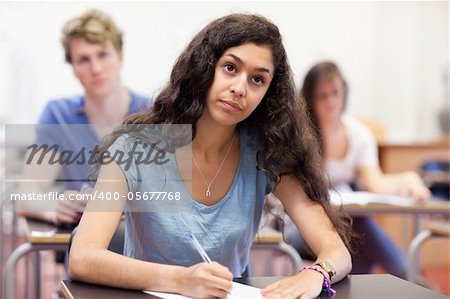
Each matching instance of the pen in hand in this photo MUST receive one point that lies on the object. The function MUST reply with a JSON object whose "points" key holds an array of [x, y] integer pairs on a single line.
{"points": [[198, 247], [205, 256]]}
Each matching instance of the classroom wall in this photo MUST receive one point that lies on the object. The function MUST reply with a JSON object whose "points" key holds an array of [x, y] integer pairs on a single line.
{"points": [[394, 54]]}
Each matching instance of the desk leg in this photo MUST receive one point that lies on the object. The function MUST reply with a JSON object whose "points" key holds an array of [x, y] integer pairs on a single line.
{"points": [[10, 269], [416, 232], [1, 238], [416, 224], [28, 285], [414, 255], [268, 264], [37, 276], [296, 260]]}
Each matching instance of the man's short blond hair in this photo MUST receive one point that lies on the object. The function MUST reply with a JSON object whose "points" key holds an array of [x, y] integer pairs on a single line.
{"points": [[94, 26]]}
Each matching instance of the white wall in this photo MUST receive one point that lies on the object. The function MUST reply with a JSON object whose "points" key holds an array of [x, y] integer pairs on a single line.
{"points": [[393, 54]]}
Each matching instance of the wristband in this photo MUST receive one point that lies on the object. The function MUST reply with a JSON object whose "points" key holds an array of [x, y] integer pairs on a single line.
{"points": [[326, 280], [327, 267]]}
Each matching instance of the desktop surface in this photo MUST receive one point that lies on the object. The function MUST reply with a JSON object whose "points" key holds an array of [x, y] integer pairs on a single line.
{"points": [[382, 286]]}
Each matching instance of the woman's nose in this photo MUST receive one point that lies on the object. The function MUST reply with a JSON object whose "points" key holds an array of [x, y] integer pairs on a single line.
{"points": [[239, 86]]}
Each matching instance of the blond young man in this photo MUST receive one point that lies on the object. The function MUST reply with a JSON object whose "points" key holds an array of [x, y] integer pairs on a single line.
{"points": [[93, 47]]}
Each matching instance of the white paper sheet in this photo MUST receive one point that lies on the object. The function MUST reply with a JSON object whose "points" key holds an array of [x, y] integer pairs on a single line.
{"points": [[239, 291], [364, 198]]}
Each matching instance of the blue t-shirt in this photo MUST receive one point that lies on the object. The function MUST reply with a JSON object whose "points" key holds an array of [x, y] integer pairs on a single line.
{"points": [[63, 122], [226, 230]]}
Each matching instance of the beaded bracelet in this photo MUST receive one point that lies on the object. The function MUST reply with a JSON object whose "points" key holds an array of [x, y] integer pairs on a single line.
{"points": [[326, 280]]}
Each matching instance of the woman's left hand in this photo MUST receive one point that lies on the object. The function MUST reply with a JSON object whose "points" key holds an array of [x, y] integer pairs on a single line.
{"points": [[412, 186], [306, 284]]}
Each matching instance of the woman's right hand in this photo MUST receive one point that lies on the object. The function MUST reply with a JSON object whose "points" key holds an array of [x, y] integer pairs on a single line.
{"points": [[205, 280]]}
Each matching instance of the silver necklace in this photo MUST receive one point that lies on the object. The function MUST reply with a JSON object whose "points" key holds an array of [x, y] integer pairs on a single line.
{"points": [[208, 186]]}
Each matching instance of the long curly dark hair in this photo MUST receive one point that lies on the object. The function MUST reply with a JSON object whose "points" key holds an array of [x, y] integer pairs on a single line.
{"points": [[287, 143]]}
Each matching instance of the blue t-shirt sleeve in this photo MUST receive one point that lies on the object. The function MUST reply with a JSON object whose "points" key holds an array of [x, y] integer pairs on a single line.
{"points": [[119, 152], [48, 116], [47, 131], [140, 103]]}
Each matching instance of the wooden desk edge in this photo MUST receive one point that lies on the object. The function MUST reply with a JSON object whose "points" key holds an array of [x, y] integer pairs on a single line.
{"points": [[439, 228], [434, 207], [65, 291], [445, 144], [48, 237], [268, 235], [55, 239]]}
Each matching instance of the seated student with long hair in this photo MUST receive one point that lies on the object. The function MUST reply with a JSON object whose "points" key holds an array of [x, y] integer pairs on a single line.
{"points": [[251, 136], [350, 154]]}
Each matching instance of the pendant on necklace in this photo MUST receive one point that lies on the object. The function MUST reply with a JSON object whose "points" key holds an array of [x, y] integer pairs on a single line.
{"points": [[208, 192]]}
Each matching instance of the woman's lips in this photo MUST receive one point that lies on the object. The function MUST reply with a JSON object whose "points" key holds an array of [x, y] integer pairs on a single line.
{"points": [[231, 106]]}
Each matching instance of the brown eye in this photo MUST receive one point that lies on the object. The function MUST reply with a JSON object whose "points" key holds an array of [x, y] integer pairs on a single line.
{"points": [[230, 68], [258, 80]]}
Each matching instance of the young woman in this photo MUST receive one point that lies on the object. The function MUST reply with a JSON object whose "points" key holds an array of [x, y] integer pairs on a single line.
{"points": [[350, 152], [251, 136]]}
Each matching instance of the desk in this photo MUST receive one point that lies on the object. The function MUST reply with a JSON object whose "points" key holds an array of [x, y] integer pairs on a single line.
{"points": [[39, 236], [430, 207], [431, 229], [401, 157], [383, 286], [405, 229]]}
